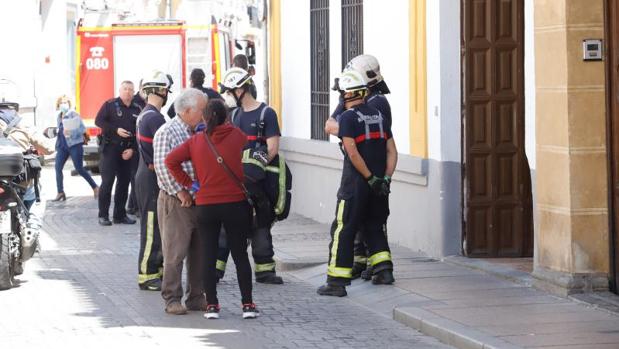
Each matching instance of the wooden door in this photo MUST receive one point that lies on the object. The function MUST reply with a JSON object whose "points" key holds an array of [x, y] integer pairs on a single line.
{"points": [[612, 84], [496, 179]]}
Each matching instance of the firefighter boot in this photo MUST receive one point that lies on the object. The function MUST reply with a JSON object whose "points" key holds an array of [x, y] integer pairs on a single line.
{"points": [[269, 278], [151, 285], [367, 273], [357, 270], [332, 290], [383, 277]]}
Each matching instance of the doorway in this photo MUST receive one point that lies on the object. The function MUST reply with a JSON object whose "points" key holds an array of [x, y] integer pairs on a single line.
{"points": [[496, 180]]}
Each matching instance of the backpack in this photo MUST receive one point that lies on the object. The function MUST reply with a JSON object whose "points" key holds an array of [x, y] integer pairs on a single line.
{"points": [[276, 177]]}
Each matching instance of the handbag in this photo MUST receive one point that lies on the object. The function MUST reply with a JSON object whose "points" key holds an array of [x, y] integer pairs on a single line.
{"points": [[259, 220]]}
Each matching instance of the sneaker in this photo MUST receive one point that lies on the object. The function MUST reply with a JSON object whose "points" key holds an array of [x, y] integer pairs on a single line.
{"points": [[250, 311], [384, 277], [175, 308], [212, 311], [270, 279], [151, 285], [332, 290]]}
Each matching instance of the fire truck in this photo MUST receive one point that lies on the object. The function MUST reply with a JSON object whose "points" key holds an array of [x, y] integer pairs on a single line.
{"points": [[108, 55]]}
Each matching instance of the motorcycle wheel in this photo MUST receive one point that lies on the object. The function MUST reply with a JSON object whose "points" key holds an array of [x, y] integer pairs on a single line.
{"points": [[6, 265]]}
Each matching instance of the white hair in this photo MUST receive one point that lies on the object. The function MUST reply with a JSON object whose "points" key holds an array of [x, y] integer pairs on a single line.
{"points": [[188, 100]]}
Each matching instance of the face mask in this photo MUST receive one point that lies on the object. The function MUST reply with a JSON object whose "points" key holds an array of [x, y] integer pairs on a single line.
{"points": [[230, 100], [64, 107]]}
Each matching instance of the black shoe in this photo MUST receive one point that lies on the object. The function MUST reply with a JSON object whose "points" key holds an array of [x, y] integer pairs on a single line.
{"points": [[250, 311], [332, 290], [151, 285], [357, 269], [104, 221], [131, 211], [367, 274], [271, 279], [124, 220], [384, 277]]}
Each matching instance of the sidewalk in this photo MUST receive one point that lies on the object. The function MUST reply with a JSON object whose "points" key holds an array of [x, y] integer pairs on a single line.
{"points": [[458, 305]]}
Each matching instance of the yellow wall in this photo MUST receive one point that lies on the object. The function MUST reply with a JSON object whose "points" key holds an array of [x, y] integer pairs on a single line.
{"points": [[418, 79], [275, 62]]}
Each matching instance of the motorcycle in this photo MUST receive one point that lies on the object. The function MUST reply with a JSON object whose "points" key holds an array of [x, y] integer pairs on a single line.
{"points": [[19, 228]]}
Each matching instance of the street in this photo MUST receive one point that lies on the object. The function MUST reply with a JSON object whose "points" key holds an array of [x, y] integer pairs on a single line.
{"points": [[81, 291]]}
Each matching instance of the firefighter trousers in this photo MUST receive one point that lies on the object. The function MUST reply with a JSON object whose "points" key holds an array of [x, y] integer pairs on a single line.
{"points": [[150, 265], [261, 250], [364, 211]]}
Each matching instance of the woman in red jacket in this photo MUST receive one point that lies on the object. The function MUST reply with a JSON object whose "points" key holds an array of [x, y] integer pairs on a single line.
{"points": [[220, 199]]}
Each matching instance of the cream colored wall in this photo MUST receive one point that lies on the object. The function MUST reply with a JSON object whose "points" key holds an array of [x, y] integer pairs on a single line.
{"points": [[571, 146]]}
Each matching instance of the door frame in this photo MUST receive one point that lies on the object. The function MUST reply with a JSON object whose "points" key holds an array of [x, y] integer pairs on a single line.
{"points": [[613, 240]]}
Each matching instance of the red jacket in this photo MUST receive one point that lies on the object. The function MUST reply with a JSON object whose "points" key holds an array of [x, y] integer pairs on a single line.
{"points": [[216, 186]]}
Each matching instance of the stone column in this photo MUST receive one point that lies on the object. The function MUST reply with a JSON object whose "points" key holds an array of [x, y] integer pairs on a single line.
{"points": [[572, 251]]}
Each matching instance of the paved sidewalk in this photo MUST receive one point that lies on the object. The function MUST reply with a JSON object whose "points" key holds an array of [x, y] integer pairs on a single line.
{"points": [[460, 306], [81, 292]]}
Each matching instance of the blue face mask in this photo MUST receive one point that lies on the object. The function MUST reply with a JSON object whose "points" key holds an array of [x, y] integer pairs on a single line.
{"points": [[64, 107], [200, 127]]}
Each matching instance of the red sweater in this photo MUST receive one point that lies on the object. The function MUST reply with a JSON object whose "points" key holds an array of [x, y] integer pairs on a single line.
{"points": [[216, 186]]}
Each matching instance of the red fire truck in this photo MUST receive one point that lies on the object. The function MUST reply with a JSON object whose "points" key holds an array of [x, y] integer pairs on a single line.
{"points": [[108, 55]]}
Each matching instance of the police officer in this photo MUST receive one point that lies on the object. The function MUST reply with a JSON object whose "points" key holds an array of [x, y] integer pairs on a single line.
{"points": [[366, 65], [363, 198], [196, 80], [156, 87], [132, 206], [259, 122], [117, 119]]}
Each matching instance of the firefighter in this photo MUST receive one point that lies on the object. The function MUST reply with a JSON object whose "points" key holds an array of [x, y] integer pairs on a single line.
{"points": [[117, 118], [132, 206], [366, 65], [259, 122], [156, 87], [363, 196], [196, 80]]}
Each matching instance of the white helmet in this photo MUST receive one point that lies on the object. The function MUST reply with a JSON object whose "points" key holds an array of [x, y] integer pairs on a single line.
{"points": [[156, 82], [369, 67], [351, 81], [234, 78]]}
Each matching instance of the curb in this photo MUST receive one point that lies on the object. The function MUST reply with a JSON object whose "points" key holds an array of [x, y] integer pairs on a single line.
{"points": [[448, 331]]}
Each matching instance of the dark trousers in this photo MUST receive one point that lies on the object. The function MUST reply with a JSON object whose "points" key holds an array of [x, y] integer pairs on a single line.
{"points": [[236, 219], [113, 168], [261, 250], [363, 210], [360, 249], [132, 203], [150, 265], [76, 153]]}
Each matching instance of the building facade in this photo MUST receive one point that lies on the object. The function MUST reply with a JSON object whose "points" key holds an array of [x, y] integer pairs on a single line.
{"points": [[500, 122]]}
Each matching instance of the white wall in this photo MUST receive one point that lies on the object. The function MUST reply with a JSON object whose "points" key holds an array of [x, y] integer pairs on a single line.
{"points": [[391, 48], [296, 69], [529, 77], [444, 76]]}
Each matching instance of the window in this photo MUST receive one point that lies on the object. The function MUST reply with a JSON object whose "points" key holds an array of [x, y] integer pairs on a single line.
{"points": [[319, 11], [352, 30]]}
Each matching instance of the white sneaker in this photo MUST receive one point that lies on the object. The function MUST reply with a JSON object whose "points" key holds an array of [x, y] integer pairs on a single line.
{"points": [[212, 311]]}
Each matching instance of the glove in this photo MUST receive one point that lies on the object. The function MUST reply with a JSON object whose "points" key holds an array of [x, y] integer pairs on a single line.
{"points": [[261, 156], [379, 186], [387, 185]]}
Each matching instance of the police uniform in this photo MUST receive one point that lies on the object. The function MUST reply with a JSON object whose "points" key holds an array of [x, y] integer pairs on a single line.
{"points": [[132, 203], [147, 190], [358, 206], [379, 102], [262, 240], [209, 92], [115, 114]]}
